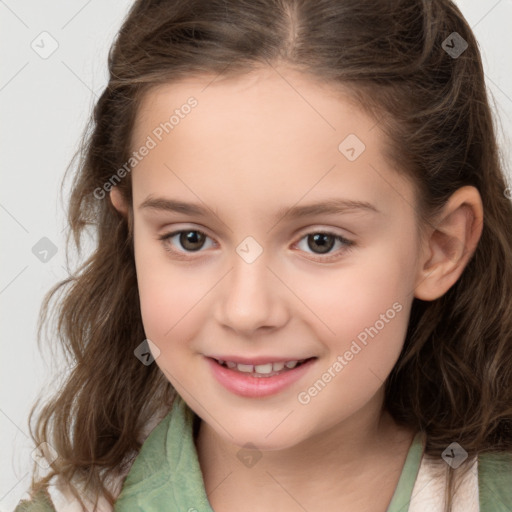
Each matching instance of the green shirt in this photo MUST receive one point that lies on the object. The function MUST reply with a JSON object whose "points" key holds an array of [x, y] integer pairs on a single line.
{"points": [[166, 475]]}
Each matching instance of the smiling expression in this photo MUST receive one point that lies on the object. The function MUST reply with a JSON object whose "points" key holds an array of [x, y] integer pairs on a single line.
{"points": [[269, 229]]}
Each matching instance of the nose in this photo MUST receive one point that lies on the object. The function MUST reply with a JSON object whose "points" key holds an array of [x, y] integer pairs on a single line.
{"points": [[251, 298]]}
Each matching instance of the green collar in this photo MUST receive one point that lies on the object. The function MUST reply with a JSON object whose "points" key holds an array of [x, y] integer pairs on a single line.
{"points": [[403, 492], [166, 474]]}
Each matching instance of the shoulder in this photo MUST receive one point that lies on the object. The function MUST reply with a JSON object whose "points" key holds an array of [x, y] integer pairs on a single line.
{"points": [[485, 487], [57, 495], [40, 502], [495, 481]]}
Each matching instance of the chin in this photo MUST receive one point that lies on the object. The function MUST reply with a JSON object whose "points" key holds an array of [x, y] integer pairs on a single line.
{"points": [[268, 435]]}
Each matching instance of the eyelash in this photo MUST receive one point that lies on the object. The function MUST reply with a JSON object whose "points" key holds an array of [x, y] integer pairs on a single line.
{"points": [[349, 244]]}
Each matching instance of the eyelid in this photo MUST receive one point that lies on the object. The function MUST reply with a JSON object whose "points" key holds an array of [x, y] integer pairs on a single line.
{"points": [[181, 227], [319, 228]]}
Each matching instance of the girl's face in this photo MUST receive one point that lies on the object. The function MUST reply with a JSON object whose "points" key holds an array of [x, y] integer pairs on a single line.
{"points": [[268, 228]]}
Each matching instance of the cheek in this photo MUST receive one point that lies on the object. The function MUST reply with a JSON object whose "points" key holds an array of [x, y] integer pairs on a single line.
{"points": [[172, 298], [368, 309], [363, 290], [367, 302]]}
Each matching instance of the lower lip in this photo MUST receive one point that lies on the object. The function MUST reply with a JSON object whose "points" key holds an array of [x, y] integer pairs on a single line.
{"points": [[244, 384]]}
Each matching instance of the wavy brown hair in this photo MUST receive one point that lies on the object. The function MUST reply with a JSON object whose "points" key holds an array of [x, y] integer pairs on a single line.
{"points": [[453, 379]]}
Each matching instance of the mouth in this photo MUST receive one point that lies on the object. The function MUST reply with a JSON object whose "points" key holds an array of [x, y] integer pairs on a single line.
{"points": [[262, 370], [258, 378]]}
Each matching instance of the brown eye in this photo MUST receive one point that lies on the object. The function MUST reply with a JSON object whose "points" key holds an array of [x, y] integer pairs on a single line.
{"points": [[192, 240], [321, 242], [184, 241]]}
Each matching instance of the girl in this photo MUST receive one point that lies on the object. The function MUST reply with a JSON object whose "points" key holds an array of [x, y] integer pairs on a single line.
{"points": [[300, 294]]}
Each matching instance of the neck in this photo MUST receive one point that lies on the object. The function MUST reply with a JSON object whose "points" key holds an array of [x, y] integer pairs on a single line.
{"points": [[337, 463]]}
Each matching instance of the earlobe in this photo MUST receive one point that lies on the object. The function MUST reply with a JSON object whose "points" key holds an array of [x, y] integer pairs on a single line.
{"points": [[118, 201], [452, 241]]}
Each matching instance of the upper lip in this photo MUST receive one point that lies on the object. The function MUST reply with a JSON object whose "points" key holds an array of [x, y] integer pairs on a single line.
{"points": [[258, 360]]}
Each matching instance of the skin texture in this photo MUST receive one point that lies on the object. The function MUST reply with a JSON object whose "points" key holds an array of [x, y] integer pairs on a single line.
{"points": [[253, 145]]}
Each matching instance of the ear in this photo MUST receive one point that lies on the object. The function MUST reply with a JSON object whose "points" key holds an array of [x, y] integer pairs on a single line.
{"points": [[451, 241], [119, 202]]}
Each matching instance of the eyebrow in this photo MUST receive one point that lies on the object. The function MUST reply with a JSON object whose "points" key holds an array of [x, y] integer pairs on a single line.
{"points": [[330, 206]]}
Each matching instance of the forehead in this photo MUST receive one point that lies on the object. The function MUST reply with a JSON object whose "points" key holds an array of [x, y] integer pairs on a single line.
{"points": [[263, 99], [271, 128]]}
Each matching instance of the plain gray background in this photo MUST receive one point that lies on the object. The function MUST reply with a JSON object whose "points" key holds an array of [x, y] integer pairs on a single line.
{"points": [[45, 102]]}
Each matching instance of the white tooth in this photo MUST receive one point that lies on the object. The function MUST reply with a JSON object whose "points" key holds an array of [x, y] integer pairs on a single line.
{"points": [[221, 361], [291, 364], [230, 364], [277, 366], [263, 368], [248, 368]]}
